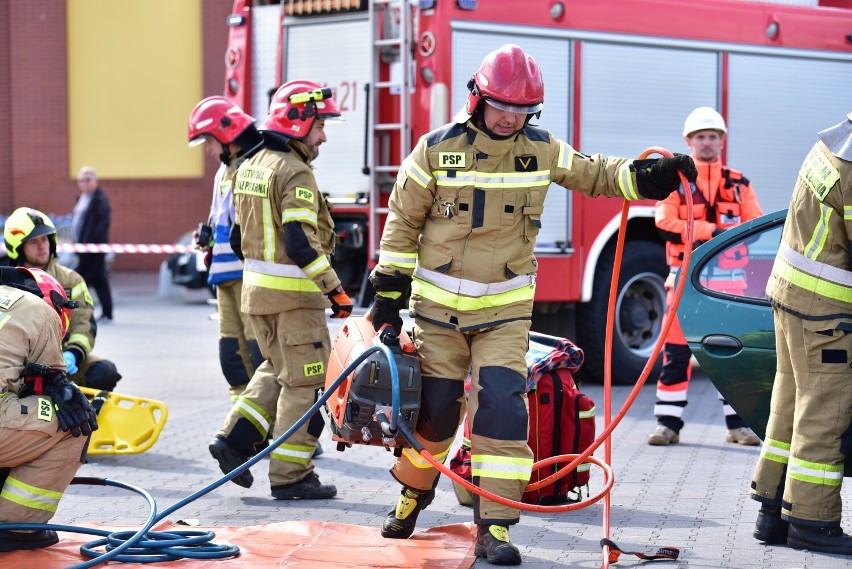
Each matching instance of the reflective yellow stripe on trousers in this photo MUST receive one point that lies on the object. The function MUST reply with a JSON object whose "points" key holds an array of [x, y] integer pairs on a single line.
{"points": [[30, 496], [503, 467]]}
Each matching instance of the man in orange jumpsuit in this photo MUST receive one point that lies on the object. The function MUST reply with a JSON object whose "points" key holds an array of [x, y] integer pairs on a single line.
{"points": [[722, 198]]}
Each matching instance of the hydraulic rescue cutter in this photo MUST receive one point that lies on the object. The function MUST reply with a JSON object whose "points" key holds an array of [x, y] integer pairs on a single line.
{"points": [[360, 410]]}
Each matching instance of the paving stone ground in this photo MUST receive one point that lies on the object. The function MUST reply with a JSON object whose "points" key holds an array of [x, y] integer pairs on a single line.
{"points": [[693, 495]]}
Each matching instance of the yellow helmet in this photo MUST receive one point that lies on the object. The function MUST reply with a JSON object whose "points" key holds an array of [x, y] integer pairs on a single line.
{"points": [[24, 224]]}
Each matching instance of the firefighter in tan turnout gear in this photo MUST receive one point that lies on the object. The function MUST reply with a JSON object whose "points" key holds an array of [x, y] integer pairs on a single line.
{"points": [[799, 474], [722, 198], [45, 420], [464, 216], [286, 236], [30, 238]]}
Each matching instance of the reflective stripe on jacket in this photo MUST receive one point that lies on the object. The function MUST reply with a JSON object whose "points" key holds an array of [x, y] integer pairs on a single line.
{"points": [[812, 276], [465, 213]]}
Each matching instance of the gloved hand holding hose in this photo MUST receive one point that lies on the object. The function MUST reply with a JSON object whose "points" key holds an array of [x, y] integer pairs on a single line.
{"points": [[656, 178], [73, 410]]}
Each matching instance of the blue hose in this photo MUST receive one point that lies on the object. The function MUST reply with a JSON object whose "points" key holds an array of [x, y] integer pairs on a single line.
{"points": [[130, 547]]}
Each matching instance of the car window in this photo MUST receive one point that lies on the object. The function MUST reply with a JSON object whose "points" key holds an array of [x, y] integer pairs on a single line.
{"points": [[742, 268]]}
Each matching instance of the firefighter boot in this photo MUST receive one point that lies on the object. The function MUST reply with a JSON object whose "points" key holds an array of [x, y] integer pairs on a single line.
{"points": [[11, 540], [399, 524], [662, 436], [308, 488], [228, 459], [827, 539], [492, 542], [770, 528]]}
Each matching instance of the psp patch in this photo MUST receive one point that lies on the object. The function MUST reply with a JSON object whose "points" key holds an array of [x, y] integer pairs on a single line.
{"points": [[452, 159], [45, 409], [305, 194], [526, 163], [315, 368]]}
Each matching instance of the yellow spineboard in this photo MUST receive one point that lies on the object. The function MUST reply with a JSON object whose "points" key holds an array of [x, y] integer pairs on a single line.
{"points": [[126, 424]]}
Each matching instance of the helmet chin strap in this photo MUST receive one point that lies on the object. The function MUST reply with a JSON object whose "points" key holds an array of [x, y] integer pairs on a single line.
{"points": [[225, 156]]}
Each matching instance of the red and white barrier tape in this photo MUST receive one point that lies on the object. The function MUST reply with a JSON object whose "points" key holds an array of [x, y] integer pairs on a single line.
{"points": [[121, 248]]}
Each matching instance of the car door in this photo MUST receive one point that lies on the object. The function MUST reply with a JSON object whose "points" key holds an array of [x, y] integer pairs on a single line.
{"points": [[726, 318]]}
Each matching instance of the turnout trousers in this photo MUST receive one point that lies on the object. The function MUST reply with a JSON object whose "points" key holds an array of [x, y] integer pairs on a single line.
{"points": [[296, 346], [801, 463], [37, 459], [497, 406], [239, 353]]}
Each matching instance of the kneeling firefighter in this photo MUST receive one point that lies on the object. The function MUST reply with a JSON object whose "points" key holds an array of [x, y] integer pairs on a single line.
{"points": [[464, 216], [45, 421], [30, 238]]}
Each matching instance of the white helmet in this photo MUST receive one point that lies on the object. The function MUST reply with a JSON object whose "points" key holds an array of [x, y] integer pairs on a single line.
{"points": [[704, 118]]}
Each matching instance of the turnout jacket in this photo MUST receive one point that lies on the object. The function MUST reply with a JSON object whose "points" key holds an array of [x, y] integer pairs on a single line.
{"points": [[722, 198], [287, 232], [812, 277], [80, 335], [29, 333], [465, 212]]}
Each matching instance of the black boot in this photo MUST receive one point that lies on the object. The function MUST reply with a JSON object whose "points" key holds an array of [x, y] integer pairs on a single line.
{"points": [[308, 488], [228, 459], [492, 542], [11, 540], [824, 539], [770, 528], [399, 524]]}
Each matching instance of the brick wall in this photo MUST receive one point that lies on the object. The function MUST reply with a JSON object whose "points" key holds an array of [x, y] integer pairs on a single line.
{"points": [[33, 103]]}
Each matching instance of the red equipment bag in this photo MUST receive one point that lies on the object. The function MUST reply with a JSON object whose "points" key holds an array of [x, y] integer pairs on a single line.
{"points": [[562, 421]]}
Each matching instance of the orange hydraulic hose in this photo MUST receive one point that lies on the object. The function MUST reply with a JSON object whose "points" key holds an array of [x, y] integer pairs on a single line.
{"points": [[609, 425]]}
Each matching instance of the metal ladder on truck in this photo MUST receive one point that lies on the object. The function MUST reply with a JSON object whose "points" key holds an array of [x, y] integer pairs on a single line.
{"points": [[391, 25]]}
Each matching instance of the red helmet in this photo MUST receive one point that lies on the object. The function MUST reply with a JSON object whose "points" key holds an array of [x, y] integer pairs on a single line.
{"points": [[54, 295], [508, 79], [219, 117], [296, 106]]}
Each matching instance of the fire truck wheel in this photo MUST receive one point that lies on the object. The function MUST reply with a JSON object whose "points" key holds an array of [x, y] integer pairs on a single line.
{"points": [[639, 310]]}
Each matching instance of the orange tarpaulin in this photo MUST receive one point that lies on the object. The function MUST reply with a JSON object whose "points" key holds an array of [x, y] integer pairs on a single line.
{"points": [[295, 545]]}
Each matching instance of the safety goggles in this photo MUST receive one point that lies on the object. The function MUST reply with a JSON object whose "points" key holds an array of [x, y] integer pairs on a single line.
{"points": [[517, 109]]}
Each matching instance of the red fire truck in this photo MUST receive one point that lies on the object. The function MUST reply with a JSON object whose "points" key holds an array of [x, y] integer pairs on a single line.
{"points": [[619, 77]]}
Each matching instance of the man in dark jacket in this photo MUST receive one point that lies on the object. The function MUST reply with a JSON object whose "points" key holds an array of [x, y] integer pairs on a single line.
{"points": [[91, 225]]}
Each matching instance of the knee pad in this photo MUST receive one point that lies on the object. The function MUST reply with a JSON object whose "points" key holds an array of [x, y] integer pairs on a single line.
{"points": [[232, 363], [102, 375], [501, 414], [245, 438], [440, 408]]}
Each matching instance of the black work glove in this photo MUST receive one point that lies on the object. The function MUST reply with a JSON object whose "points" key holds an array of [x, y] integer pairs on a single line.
{"points": [[386, 307], [73, 410], [718, 231], [341, 304], [656, 178], [386, 311], [235, 238]]}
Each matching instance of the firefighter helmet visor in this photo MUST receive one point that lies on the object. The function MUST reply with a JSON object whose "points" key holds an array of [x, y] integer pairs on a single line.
{"points": [[517, 109]]}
